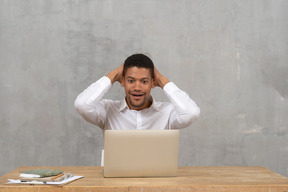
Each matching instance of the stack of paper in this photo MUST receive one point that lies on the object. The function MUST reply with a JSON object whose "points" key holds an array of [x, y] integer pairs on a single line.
{"points": [[44, 176]]}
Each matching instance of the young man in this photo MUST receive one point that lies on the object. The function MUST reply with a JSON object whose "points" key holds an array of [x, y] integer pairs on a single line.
{"points": [[138, 110]]}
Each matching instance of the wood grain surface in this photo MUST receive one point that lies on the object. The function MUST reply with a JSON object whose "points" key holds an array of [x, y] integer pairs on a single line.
{"points": [[230, 178]]}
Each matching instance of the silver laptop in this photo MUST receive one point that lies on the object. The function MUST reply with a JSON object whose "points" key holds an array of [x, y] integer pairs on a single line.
{"points": [[141, 153]]}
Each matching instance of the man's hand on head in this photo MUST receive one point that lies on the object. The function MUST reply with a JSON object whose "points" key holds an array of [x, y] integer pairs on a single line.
{"points": [[116, 74], [159, 80]]}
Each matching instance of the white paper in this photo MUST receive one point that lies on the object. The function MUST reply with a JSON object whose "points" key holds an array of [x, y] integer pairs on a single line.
{"points": [[29, 175], [13, 181]]}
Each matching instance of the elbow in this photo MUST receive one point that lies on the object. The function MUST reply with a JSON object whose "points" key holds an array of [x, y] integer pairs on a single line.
{"points": [[187, 116], [194, 113], [77, 104], [80, 106], [84, 109]]}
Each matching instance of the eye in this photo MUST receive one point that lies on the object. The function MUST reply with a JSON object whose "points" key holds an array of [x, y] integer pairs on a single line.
{"points": [[130, 80], [144, 81]]}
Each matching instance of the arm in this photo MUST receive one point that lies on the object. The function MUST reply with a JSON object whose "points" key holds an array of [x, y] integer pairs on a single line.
{"points": [[185, 110], [88, 102]]}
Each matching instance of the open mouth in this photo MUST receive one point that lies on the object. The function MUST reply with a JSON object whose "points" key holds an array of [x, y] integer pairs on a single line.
{"points": [[137, 95]]}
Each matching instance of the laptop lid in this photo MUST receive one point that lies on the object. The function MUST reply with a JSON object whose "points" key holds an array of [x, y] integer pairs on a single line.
{"points": [[141, 153]]}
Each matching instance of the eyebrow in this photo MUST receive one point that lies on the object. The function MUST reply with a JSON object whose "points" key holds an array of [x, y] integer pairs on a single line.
{"points": [[141, 78]]}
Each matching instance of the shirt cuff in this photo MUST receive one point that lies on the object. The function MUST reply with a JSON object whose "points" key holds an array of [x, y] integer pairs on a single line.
{"points": [[104, 81], [170, 87]]}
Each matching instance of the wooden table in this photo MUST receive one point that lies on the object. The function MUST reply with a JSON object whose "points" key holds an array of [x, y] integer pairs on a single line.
{"points": [[208, 179]]}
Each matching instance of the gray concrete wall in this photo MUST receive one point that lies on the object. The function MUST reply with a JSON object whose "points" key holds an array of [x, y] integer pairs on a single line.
{"points": [[230, 56]]}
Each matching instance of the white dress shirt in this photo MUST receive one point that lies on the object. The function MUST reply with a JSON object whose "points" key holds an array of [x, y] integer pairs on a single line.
{"points": [[180, 112]]}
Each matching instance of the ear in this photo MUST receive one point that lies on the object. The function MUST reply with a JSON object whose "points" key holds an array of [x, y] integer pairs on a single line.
{"points": [[122, 82], [153, 82]]}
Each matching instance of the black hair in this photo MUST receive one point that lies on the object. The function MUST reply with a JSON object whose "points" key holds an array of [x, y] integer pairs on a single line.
{"points": [[140, 61]]}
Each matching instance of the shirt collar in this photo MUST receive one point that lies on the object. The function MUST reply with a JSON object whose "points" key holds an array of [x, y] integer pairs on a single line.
{"points": [[123, 104]]}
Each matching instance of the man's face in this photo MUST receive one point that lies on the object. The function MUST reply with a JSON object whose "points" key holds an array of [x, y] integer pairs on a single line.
{"points": [[138, 83]]}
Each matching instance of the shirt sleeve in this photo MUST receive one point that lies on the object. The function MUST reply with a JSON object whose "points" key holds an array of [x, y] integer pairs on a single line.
{"points": [[88, 102], [185, 110]]}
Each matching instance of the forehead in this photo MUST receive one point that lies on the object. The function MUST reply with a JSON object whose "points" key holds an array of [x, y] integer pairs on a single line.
{"points": [[138, 72]]}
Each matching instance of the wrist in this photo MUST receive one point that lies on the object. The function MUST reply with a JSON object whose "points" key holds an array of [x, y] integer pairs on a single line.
{"points": [[163, 81], [116, 74], [112, 76]]}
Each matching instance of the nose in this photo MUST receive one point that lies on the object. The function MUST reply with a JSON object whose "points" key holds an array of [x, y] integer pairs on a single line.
{"points": [[137, 85]]}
